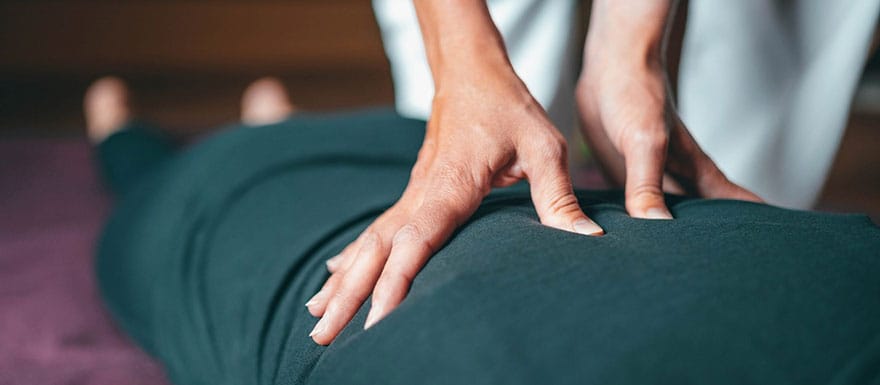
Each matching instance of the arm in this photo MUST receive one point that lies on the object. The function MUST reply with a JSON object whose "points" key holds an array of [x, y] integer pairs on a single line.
{"points": [[485, 130], [628, 116]]}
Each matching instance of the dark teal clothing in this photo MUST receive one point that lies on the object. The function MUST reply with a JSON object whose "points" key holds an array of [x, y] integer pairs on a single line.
{"points": [[125, 158], [209, 260]]}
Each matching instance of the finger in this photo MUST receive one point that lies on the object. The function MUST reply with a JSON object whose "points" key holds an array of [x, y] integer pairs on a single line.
{"points": [[335, 264], [385, 226], [353, 289], [645, 158], [415, 243], [672, 186], [408, 255], [552, 193], [713, 184], [318, 303], [692, 165], [379, 226], [509, 176]]}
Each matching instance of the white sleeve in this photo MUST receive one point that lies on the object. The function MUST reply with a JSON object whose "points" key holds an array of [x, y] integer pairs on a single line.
{"points": [[765, 88], [540, 39]]}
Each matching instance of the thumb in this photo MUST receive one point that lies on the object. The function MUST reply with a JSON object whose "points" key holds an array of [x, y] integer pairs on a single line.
{"points": [[553, 195]]}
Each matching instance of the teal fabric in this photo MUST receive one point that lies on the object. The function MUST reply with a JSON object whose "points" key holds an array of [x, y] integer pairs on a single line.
{"points": [[208, 262], [136, 151]]}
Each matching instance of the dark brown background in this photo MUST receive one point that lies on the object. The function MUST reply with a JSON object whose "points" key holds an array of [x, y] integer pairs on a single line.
{"points": [[188, 61]]}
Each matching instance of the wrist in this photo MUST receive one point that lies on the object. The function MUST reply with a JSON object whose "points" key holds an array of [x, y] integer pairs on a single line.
{"points": [[461, 41], [627, 33]]}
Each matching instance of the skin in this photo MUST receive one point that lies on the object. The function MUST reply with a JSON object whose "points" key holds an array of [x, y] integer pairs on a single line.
{"points": [[628, 118], [486, 130]]}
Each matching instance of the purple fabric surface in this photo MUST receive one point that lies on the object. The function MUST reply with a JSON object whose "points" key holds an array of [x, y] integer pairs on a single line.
{"points": [[53, 327]]}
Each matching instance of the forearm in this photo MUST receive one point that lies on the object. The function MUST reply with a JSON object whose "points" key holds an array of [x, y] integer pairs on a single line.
{"points": [[628, 32], [460, 38]]}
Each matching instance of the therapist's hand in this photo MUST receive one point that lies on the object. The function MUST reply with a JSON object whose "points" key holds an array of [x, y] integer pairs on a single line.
{"points": [[485, 130], [627, 118]]}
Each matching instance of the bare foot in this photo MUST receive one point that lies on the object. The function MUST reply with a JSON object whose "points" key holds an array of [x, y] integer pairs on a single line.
{"points": [[106, 108], [265, 101]]}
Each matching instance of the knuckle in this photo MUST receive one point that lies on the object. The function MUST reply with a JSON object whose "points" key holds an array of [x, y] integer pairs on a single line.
{"points": [[407, 234], [456, 175], [371, 241], [343, 298], [563, 203], [412, 234], [404, 277], [457, 185], [646, 139], [417, 172], [645, 189], [363, 247], [553, 146], [482, 130], [349, 294], [390, 220]]}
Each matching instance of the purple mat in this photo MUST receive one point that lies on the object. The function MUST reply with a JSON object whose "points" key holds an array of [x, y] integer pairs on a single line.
{"points": [[53, 328]]}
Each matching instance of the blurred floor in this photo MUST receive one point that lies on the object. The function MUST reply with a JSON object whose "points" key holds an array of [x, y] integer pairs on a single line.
{"points": [[53, 326]]}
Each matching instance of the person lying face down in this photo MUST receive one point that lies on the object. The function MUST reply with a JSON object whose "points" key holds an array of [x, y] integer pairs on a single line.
{"points": [[212, 250]]}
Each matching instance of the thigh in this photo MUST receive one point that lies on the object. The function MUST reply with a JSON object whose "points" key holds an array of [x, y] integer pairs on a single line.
{"points": [[207, 264]]}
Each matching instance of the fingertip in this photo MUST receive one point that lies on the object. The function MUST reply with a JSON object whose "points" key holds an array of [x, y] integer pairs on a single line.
{"points": [[648, 206], [318, 332], [747, 195], [312, 307], [586, 226], [332, 264], [657, 213], [376, 313]]}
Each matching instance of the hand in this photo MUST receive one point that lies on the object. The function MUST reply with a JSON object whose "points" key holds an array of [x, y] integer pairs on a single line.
{"points": [[629, 121], [486, 131]]}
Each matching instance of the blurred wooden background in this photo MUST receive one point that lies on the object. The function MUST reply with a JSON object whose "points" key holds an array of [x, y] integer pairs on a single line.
{"points": [[187, 62]]}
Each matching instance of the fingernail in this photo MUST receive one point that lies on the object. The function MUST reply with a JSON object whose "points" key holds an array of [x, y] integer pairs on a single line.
{"points": [[319, 328], [331, 263], [587, 227], [314, 299], [372, 317], [658, 213]]}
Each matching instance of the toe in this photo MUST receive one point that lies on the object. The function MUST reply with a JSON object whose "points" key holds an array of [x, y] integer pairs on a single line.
{"points": [[106, 107], [265, 101]]}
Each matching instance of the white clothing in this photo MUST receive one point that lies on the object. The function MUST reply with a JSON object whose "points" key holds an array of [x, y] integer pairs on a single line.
{"points": [[766, 88], [765, 85], [539, 36]]}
